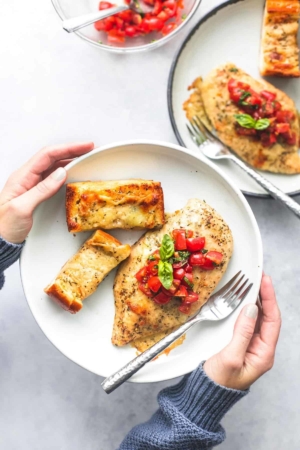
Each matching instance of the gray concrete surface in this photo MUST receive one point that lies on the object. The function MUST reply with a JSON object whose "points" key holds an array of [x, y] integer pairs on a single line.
{"points": [[54, 88]]}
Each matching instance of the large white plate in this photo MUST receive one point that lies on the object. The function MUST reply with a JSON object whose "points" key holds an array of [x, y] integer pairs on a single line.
{"points": [[85, 337], [230, 33]]}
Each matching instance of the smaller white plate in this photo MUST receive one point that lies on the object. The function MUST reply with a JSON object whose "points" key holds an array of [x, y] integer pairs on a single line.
{"points": [[229, 33], [85, 338]]}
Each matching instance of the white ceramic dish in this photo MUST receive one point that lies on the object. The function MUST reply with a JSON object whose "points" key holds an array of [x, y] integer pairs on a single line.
{"points": [[85, 337], [229, 33]]}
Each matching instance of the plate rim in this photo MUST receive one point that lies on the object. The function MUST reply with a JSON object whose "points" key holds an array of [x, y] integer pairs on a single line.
{"points": [[182, 46], [183, 150]]}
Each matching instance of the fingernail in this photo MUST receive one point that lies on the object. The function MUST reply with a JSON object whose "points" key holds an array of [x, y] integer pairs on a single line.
{"points": [[251, 311], [59, 174]]}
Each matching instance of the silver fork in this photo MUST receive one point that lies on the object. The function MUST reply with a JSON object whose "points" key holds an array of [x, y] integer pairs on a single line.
{"points": [[219, 306], [213, 148]]}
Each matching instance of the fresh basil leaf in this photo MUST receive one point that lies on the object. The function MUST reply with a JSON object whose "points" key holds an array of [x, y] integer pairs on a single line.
{"points": [[167, 248], [245, 120], [203, 251], [165, 274], [188, 282], [262, 124]]}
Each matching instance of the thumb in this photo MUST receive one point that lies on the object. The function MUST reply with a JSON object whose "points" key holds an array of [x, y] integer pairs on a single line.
{"points": [[244, 330], [44, 190]]}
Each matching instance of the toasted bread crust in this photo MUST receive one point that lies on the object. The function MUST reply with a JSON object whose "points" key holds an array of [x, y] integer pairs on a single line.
{"points": [[82, 274], [127, 204], [279, 49]]}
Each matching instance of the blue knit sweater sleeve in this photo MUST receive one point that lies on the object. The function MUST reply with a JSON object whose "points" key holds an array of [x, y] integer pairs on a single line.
{"points": [[9, 253], [188, 418]]}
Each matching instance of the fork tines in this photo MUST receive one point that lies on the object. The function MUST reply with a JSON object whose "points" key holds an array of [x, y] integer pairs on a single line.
{"points": [[235, 294]]}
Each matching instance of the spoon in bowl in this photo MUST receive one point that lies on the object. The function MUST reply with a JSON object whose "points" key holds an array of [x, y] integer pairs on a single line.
{"points": [[76, 23]]}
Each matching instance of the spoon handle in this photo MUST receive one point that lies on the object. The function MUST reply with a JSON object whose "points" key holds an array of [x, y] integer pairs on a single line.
{"points": [[74, 24], [269, 187]]}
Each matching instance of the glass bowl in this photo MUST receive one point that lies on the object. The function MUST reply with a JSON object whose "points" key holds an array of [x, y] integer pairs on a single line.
{"points": [[72, 8]]}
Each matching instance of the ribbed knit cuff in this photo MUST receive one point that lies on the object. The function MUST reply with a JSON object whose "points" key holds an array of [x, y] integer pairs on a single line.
{"points": [[201, 400], [9, 253]]}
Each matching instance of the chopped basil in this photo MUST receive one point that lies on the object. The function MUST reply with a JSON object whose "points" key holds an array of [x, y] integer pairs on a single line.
{"points": [[184, 16], [244, 95], [188, 282], [165, 274], [167, 248], [184, 254], [152, 258], [203, 251], [233, 69]]}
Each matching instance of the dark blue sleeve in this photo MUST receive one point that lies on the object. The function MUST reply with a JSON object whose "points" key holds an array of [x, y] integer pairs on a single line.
{"points": [[188, 418], [9, 253]]}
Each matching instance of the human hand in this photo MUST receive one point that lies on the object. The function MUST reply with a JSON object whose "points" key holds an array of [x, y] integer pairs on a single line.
{"points": [[40, 178], [249, 354]]}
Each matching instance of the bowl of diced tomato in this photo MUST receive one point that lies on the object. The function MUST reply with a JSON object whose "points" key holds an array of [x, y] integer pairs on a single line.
{"points": [[130, 30]]}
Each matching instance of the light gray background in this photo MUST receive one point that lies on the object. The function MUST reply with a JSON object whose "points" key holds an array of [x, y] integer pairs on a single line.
{"points": [[55, 88]]}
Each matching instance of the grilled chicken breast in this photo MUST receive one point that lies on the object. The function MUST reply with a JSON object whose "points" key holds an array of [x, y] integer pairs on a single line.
{"points": [[82, 274], [279, 46], [138, 316], [127, 204], [210, 98]]}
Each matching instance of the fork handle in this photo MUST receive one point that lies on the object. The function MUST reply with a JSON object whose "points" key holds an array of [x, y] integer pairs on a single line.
{"points": [[269, 187], [119, 377], [76, 23]]}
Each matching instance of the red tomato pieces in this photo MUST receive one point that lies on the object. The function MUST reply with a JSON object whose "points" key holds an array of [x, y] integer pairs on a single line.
{"points": [[182, 260], [154, 284], [215, 257], [195, 244], [262, 105], [180, 240], [197, 259], [132, 24]]}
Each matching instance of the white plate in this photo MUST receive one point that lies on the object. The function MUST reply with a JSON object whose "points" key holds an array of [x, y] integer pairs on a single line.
{"points": [[230, 33], [85, 337]]}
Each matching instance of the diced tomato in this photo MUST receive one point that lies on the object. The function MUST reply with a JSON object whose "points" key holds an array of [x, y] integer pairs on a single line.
{"points": [[195, 244], [152, 24], [196, 259], [208, 265], [268, 109], [152, 268], [215, 257], [168, 28], [166, 292], [157, 8], [179, 264], [126, 15], [105, 5], [189, 234], [155, 255], [100, 25], [245, 131], [185, 308], [233, 84], [290, 138], [267, 95], [170, 8], [145, 289], [116, 36], [277, 106], [189, 277], [142, 275], [161, 298], [235, 95], [268, 139], [137, 19], [178, 274], [173, 289], [285, 116], [192, 297], [282, 128], [180, 240], [154, 284], [109, 23], [163, 16], [119, 23], [188, 269], [182, 291]]}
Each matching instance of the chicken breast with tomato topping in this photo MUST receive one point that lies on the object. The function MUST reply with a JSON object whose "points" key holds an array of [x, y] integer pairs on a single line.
{"points": [[253, 118], [171, 272]]}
